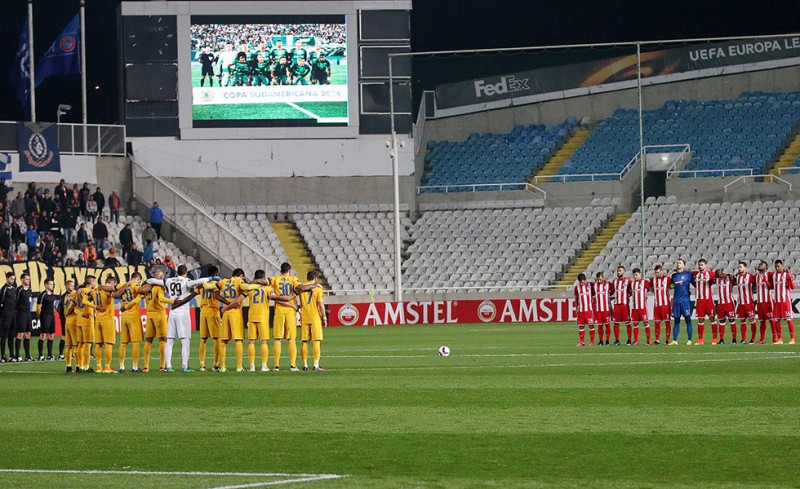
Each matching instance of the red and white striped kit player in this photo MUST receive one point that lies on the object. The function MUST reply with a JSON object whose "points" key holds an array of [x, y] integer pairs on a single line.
{"points": [[621, 288], [602, 306], [744, 296], [639, 289], [782, 285], [704, 305], [583, 304], [725, 310], [764, 298], [662, 309]]}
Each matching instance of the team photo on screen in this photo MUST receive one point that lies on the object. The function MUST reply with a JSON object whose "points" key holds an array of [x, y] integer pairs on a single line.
{"points": [[292, 74]]}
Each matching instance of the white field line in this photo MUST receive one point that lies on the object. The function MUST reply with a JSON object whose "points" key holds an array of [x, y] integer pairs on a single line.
{"points": [[585, 364], [587, 353], [292, 478], [306, 112]]}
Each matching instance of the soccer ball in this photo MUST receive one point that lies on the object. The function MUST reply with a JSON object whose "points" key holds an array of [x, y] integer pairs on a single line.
{"points": [[444, 351]]}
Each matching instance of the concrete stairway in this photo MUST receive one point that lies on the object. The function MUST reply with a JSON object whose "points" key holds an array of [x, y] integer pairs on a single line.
{"points": [[296, 250], [788, 157], [554, 163], [593, 250]]}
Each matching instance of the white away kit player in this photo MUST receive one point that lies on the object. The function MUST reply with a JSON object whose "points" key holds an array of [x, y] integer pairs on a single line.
{"points": [[179, 324]]}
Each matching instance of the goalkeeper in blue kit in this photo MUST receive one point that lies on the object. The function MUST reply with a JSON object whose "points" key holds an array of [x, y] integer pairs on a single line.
{"points": [[681, 301]]}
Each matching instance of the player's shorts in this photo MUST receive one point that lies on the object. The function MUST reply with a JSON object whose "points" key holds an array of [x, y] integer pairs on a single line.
{"points": [[639, 315], [156, 326], [285, 326], [72, 334], [209, 326], [622, 313], [131, 329], [313, 331], [281, 80], [301, 81], [47, 324], [584, 318], [764, 310], [257, 330], [86, 328], [104, 331], [661, 313], [726, 311], [704, 307], [602, 317], [259, 80], [24, 322], [232, 327], [207, 71], [682, 309], [321, 79], [781, 310], [745, 311], [179, 326], [8, 326]]}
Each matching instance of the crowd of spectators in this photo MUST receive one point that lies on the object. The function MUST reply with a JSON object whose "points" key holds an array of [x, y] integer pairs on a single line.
{"points": [[68, 227], [217, 35]]}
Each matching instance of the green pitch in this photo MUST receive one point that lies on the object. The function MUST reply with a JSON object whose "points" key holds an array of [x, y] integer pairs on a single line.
{"points": [[513, 406], [303, 110]]}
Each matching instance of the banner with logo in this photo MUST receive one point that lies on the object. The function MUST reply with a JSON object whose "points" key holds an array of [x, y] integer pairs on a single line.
{"points": [[37, 144], [544, 310], [687, 61], [39, 271]]}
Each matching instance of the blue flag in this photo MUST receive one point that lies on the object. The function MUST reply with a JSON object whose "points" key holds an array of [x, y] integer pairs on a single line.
{"points": [[63, 56], [21, 72], [37, 145]]}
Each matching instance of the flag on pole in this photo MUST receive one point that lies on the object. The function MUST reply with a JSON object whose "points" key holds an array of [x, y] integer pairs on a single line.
{"points": [[63, 56], [21, 72]]}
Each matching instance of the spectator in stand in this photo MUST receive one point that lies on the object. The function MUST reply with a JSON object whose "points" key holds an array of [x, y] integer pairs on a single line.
{"points": [[100, 235], [113, 207], [111, 258], [91, 209], [80, 261], [66, 222], [74, 196], [61, 191], [43, 222], [31, 205], [135, 256], [4, 190], [148, 251], [47, 203], [149, 234], [35, 255], [90, 255], [83, 237], [100, 200], [156, 218], [126, 240], [31, 239], [19, 229], [83, 197], [69, 263], [61, 244], [168, 262], [20, 251], [18, 206], [5, 241]]}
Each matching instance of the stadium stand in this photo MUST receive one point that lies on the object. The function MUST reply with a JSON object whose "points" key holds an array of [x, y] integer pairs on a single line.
{"points": [[511, 245], [353, 246], [493, 157], [746, 133], [161, 248], [722, 233]]}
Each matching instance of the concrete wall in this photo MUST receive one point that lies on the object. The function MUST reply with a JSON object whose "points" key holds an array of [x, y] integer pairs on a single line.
{"points": [[712, 189], [601, 105], [114, 173]]}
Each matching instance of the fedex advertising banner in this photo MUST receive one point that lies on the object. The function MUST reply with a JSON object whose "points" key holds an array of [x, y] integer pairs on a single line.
{"points": [[545, 310]]}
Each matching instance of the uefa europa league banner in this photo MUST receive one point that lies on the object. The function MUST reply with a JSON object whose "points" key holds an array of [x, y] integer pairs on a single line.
{"points": [[665, 63], [37, 144], [39, 271]]}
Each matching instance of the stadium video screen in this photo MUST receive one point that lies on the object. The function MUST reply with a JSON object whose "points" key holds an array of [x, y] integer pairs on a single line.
{"points": [[276, 71]]}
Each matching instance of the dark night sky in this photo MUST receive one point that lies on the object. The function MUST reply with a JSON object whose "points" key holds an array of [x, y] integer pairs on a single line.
{"points": [[436, 25]]}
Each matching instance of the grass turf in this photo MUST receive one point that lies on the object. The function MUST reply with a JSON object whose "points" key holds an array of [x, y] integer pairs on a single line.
{"points": [[513, 406]]}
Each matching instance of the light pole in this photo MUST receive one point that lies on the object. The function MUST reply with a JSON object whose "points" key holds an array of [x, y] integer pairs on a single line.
{"points": [[62, 110]]}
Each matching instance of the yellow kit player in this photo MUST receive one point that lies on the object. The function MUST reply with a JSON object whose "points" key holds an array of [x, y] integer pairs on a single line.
{"points": [[84, 309], [155, 299], [284, 326], [105, 334], [312, 320], [69, 319], [131, 324], [232, 327], [210, 320]]}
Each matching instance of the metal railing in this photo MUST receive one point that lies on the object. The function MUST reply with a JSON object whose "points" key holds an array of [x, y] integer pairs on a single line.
{"points": [[772, 178], [789, 170], [100, 139], [592, 177], [475, 187], [174, 201], [723, 172]]}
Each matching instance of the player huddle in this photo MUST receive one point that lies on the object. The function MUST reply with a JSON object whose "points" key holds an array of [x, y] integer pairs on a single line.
{"points": [[263, 66], [764, 296], [88, 315]]}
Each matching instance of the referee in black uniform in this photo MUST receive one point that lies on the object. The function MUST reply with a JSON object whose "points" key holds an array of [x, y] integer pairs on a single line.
{"points": [[8, 315], [46, 310], [24, 327]]}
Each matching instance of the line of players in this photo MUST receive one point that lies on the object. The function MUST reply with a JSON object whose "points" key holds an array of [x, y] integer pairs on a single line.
{"points": [[772, 304], [277, 66], [88, 315]]}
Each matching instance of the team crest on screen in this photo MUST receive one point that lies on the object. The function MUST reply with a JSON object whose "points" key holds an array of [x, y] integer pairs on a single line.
{"points": [[67, 44], [38, 154], [486, 311], [348, 315], [207, 96]]}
